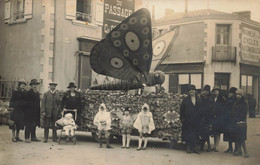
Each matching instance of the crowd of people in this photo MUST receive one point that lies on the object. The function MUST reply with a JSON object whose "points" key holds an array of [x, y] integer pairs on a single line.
{"points": [[202, 115], [210, 114]]}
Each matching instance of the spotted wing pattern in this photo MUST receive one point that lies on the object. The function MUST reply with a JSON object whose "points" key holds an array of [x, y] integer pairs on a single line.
{"points": [[162, 46], [127, 50]]}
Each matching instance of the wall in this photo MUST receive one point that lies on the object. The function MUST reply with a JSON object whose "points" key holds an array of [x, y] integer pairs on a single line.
{"points": [[20, 48], [189, 44], [66, 44], [221, 67]]}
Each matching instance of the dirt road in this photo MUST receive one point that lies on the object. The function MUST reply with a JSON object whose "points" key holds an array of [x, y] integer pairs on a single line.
{"points": [[86, 152]]}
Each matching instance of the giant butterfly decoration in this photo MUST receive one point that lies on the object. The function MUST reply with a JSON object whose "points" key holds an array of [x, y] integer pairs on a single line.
{"points": [[126, 52]]}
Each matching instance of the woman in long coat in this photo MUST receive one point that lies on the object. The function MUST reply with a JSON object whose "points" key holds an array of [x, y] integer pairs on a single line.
{"points": [[18, 103], [206, 116], [218, 115], [72, 100], [240, 126], [231, 100], [189, 116]]}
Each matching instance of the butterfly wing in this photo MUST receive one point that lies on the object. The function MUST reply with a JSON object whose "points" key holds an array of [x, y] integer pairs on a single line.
{"points": [[162, 46], [127, 49]]}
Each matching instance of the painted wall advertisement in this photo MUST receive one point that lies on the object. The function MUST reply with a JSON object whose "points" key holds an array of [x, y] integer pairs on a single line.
{"points": [[116, 11], [250, 45]]}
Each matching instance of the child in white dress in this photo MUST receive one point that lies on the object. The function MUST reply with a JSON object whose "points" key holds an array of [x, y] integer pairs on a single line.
{"points": [[145, 125]]}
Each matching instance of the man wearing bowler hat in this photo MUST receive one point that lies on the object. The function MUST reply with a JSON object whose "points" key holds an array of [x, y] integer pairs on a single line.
{"points": [[32, 113], [50, 110]]}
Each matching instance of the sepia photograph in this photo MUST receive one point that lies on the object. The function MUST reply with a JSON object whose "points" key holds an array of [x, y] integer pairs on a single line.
{"points": [[130, 82]]}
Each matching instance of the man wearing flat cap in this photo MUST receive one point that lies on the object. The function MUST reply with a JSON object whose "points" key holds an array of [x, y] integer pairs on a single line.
{"points": [[50, 110], [189, 116], [32, 113]]}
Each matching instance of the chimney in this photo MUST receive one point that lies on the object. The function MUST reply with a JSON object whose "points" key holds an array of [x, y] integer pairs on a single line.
{"points": [[244, 14], [186, 6]]}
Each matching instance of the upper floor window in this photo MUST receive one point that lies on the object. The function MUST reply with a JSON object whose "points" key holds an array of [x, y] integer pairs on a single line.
{"points": [[17, 10], [223, 35], [83, 11]]}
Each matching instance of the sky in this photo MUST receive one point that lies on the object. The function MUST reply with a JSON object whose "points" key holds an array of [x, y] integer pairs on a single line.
{"points": [[227, 6]]}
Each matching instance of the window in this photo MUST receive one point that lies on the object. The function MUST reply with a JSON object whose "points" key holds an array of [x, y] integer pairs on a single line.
{"points": [[247, 84], [17, 10], [223, 35], [184, 80], [83, 12]]}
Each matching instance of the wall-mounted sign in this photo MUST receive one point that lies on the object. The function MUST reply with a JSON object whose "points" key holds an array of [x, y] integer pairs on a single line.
{"points": [[250, 45], [116, 11]]}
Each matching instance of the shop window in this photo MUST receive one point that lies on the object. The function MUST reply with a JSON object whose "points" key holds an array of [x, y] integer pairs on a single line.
{"points": [[247, 84], [184, 80], [83, 12], [17, 10], [223, 35]]}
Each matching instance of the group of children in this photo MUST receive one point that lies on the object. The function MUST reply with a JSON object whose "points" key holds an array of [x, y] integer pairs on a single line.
{"points": [[144, 124]]}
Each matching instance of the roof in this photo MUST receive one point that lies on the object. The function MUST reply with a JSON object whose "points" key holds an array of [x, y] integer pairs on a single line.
{"points": [[198, 15]]}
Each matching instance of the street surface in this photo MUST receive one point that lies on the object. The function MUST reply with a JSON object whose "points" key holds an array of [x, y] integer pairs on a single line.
{"points": [[86, 151]]}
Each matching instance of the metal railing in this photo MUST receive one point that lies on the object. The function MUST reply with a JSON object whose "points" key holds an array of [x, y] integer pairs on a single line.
{"points": [[224, 53], [83, 17], [6, 88]]}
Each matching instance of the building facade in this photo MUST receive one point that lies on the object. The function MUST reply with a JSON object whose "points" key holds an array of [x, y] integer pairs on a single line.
{"points": [[212, 48], [49, 40]]}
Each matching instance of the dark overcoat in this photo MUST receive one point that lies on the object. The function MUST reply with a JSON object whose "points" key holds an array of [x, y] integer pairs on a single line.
{"points": [[18, 103], [72, 102], [51, 103], [189, 116], [228, 118], [218, 121], [205, 115], [239, 114], [32, 113]]}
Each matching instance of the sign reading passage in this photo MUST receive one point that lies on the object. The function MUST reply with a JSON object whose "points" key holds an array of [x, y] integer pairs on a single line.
{"points": [[250, 45], [116, 11]]}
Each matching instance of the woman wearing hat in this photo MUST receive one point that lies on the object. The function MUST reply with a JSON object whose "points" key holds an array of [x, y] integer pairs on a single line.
{"points": [[32, 113], [18, 103], [240, 129], [218, 115], [189, 116], [72, 100], [231, 100], [206, 115]]}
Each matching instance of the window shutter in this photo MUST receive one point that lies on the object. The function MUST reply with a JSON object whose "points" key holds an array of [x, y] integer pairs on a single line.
{"points": [[99, 12], [7, 11], [71, 9], [28, 9]]}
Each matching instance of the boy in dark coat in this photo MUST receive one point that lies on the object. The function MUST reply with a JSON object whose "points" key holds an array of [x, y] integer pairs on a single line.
{"points": [[50, 110], [32, 113], [18, 103], [189, 116]]}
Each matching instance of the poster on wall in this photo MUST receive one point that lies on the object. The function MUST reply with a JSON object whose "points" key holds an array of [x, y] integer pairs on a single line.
{"points": [[250, 45], [116, 11]]}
